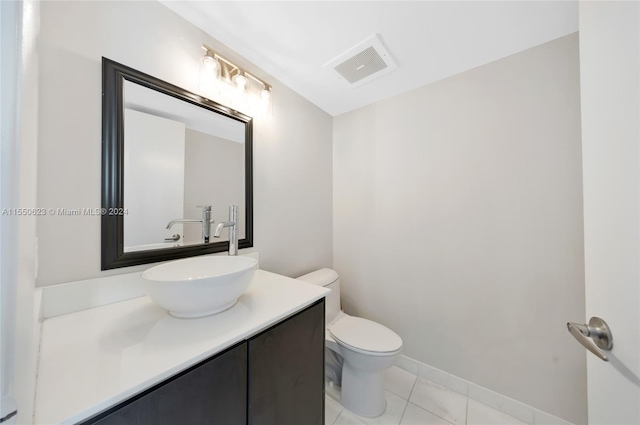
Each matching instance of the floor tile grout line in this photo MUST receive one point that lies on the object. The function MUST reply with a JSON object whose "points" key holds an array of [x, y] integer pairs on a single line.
{"points": [[395, 393], [434, 414], [341, 410], [400, 395], [412, 388], [466, 412], [337, 417], [407, 400], [403, 412]]}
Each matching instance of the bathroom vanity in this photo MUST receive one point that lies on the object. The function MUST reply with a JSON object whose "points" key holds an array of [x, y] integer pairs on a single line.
{"points": [[260, 362]]}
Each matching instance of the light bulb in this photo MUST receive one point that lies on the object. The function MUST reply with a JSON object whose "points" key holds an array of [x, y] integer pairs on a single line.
{"points": [[240, 80], [209, 70], [209, 62], [265, 93]]}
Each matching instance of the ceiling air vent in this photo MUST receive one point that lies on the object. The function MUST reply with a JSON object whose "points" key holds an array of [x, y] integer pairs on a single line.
{"points": [[364, 62]]}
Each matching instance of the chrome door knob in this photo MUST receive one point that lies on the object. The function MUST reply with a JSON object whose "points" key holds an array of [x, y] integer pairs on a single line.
{"points": [[598, 331]]}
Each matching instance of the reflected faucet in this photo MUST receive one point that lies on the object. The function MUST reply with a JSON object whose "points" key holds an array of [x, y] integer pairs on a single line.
{"points": [[205, 220], [232, 224]]}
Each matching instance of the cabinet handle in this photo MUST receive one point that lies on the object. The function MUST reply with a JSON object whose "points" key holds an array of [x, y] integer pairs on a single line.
{"points": [[598, 331]]}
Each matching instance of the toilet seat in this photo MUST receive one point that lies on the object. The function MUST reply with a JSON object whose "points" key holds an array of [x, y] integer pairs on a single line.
{"points": [[364, 336]]}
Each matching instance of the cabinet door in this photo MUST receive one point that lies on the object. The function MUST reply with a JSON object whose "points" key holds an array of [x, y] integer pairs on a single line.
{"points": [[211, 393], [286, 371]]}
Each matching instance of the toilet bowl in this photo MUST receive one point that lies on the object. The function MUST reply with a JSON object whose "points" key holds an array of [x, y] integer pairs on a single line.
{"points": [[358, 351]]}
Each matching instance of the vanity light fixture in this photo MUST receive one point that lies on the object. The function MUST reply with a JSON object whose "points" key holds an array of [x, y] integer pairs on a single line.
{"points": [[216, 69]]}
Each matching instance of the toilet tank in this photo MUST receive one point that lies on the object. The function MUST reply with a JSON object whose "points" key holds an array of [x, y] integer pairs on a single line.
{"points": [[329, 279]]}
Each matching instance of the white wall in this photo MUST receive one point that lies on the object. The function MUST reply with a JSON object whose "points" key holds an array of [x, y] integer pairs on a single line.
{"points": [[610, 92], [153, 177], [458, 223], [292, 152]]}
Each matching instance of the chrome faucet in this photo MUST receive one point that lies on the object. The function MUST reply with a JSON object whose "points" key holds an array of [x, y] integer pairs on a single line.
{"points": [[232, 224], [205, 220]]}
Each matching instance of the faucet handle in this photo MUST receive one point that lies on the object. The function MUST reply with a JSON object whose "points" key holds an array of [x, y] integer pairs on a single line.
{"points": [[204, 207]]}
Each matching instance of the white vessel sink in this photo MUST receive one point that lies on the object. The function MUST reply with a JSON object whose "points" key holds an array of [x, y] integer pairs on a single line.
{"points": [[199, 286]]}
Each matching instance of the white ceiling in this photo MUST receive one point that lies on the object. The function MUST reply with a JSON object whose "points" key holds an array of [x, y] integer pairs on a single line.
{"points": [[429, 40]]}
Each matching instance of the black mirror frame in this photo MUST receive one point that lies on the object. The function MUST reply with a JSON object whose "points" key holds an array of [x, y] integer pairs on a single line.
{"points": [[112, 232]]}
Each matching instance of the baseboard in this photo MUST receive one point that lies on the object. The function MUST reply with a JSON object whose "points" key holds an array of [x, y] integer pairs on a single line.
{"points": [[515, 408]]}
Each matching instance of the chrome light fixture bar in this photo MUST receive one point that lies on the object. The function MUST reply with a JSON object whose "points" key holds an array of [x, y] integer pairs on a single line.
{"points": [[218, 67]]}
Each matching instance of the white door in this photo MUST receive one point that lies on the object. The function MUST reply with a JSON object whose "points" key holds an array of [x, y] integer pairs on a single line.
{"points": [[610, 94]]}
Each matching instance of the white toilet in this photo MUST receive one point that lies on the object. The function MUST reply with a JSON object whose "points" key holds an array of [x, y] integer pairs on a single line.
{"points": [[357, 351]]}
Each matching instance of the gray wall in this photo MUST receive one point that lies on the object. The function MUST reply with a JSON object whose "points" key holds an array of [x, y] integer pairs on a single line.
{"points": [[213, 165], [458, 223], [292, 151]]}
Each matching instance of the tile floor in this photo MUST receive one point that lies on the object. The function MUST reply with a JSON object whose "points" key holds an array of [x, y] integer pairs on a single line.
{"points": [[413, 400]]}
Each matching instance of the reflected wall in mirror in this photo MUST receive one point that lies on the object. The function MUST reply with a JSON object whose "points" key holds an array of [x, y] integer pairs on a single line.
{"points": [[169, 155], [178, 158]]}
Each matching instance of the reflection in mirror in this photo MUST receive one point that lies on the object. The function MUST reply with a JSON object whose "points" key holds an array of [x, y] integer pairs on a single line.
{"points": [[179, 160], [173, 162]]}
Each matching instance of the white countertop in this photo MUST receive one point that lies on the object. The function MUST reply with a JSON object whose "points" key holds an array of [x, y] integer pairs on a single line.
{"points": [[93, 359]]}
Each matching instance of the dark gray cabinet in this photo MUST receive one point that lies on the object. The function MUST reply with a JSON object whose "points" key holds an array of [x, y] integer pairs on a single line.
{"points": [[286, 371], [273, 378], [211, 393]]}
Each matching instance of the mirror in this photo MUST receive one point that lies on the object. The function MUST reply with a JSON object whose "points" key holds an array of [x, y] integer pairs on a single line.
{"points": [[168, 155]]}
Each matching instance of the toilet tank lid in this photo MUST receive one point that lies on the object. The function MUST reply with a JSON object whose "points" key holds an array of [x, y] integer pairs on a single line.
{"points": [[322, 277]]}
